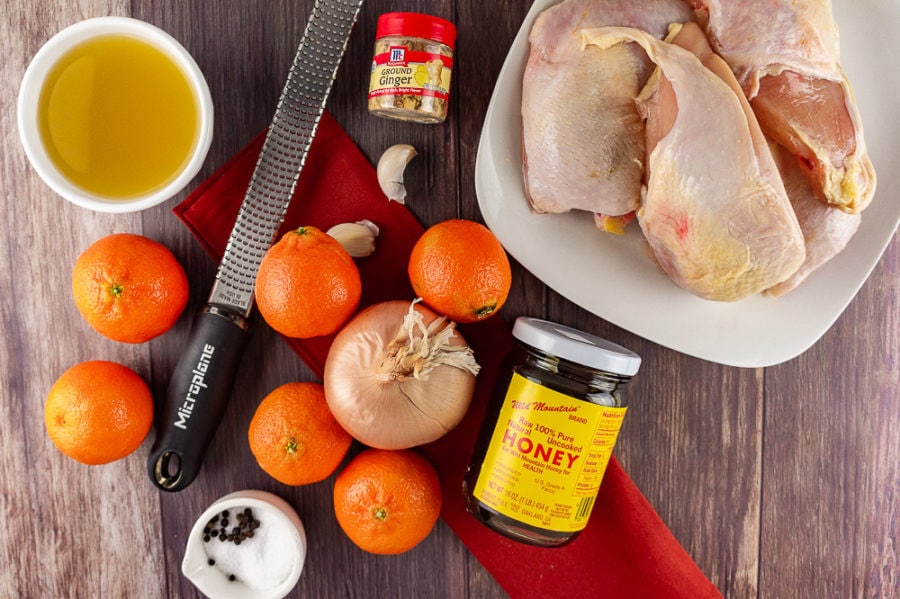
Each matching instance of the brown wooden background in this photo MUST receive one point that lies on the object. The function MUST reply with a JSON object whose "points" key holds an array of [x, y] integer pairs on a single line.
{"points": [[780, 482]]}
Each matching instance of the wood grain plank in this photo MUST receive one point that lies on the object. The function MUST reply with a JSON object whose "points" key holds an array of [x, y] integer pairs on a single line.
{"points": [[237, 66], [335, 567], [483, 44], [882, 567], [430, 178], [71, 530], [831, 446]]}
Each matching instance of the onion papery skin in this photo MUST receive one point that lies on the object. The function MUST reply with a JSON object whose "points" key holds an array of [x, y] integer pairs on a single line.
{"points": [[391, 414]]}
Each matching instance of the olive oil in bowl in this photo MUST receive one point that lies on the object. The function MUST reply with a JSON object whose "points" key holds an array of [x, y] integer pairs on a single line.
{"points": [[118, 117]]}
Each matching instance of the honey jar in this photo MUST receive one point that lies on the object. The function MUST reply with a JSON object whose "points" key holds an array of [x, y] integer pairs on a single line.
{"points": [[548, 433]]}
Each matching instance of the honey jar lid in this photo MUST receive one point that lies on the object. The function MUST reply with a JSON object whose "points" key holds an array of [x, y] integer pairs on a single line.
{"points": [[576, 346]]}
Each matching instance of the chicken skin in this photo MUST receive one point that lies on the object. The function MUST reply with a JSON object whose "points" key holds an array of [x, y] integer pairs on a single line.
{"points": [[714, 208], [786, 57], [826, 229], [583, 139]]}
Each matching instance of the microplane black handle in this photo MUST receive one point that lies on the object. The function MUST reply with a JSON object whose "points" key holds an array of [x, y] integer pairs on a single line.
{"points": [[196, 398]]}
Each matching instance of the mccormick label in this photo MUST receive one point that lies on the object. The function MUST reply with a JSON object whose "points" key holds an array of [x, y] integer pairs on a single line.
{"points": [[547, 456], [402, 71]]}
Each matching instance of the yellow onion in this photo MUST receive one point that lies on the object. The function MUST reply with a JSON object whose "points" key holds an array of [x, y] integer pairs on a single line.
{"points": [[399, 375]]}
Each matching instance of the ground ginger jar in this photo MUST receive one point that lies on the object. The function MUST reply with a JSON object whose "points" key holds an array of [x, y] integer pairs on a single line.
{"points": [[548, 433], [411, 67]]}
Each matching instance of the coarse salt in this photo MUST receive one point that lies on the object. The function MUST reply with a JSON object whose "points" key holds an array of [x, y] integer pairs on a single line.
{"points": [[260, 562]]}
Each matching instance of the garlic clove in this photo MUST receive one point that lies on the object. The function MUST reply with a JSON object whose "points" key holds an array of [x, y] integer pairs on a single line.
{"points": [[357, 238], [390, 171]]}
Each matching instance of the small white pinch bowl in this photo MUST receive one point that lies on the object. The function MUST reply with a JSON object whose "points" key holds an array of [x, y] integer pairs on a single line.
{"points": [[33, 82], [213, 582]]}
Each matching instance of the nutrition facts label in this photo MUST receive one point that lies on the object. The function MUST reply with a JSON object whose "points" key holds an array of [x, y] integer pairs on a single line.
{"points": [[600, 450]]}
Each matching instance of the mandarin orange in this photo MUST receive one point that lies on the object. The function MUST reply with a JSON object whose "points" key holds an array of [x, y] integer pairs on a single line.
{"points": [[294, 437], [307, 284], [459, 269], [129, 288], [98, 411], [387, 501]]}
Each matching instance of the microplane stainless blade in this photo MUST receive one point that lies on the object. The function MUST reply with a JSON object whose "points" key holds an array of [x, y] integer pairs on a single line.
{"points": [[202, 380]]}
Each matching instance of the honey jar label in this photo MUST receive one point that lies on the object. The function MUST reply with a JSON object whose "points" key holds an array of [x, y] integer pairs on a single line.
{"points": [[404, 71], [547, 456]]}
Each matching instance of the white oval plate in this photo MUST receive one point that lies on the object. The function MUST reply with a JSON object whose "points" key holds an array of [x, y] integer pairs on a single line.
{"points": [[615, 278]]}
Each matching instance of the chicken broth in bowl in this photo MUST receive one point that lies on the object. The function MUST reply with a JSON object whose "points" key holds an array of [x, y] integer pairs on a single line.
{"points": [[115, 115], [118, 117]]}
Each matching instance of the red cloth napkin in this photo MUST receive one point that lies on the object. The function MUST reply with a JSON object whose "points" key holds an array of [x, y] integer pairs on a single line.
{"points": [[626, 550]]}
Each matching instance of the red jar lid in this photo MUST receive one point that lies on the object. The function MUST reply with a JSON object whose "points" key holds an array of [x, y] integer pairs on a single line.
{"points": [[412, 24]]}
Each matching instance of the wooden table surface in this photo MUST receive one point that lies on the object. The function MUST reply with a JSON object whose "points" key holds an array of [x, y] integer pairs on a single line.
{"points": [[779, 481]]}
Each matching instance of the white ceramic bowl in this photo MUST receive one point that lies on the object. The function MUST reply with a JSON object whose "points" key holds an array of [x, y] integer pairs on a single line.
{"points": [[276, 512], [30, 91]]}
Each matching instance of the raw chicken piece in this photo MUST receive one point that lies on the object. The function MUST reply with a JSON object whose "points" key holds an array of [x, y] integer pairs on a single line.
{"points": [[714, 209], [785, 56], [826, 229], [583, 140]]}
